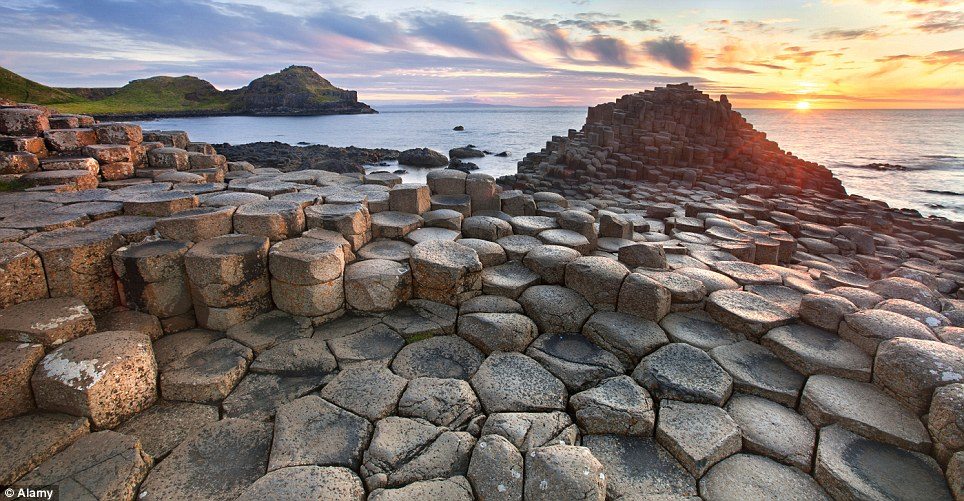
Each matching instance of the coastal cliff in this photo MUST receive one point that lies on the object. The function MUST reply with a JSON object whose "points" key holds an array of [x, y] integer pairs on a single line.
{"points": [[296, 90]]}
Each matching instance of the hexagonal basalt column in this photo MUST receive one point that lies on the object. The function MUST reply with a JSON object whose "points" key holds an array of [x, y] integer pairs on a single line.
{"points": [[152, 279], [446, 272], [353, 221], [306, 277], [21, 273], [414, 198], [229, 280], [77, 264], [108, 377], [377, 285], [275, 219]]}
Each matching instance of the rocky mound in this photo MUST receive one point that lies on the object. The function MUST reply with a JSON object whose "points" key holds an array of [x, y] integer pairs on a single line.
{"points": [[296, 90], [287, 158], [673, 133]]}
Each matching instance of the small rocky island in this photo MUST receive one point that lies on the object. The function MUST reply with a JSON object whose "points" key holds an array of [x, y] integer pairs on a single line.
{"points": [[661, 305]]}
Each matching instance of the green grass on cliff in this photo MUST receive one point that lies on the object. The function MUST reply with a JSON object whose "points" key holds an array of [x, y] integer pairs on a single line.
{"points": [[17, 88], [155, 95]]}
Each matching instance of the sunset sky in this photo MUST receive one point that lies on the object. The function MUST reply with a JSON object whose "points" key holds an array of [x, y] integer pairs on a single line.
{"points": [[785, 54]]}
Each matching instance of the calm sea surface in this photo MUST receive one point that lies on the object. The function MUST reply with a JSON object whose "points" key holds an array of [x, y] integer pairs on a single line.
{"points": [[929, 144]]}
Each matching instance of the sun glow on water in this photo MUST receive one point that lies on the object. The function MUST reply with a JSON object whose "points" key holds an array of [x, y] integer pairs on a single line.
{"points": [[803, 105]]}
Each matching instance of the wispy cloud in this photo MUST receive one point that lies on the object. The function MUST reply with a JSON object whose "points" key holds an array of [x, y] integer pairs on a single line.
{"points": [[673, 51]]}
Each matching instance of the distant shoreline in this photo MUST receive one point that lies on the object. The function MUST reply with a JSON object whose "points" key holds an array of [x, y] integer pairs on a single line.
{"points": [[206, 113]]}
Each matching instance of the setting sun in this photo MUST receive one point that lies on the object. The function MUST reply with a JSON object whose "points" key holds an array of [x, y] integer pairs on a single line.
{"points": [[803, 105]]}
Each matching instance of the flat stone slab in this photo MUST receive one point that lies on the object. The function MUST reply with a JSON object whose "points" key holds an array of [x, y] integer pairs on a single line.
{"points": [[420, 319], [773, 430], [513, 382], [163, 426], [863, 409], [265, 331], [404, 450], [747, 273], [258, 396], [528, 430], [443, 402], [616, 406], [378, 344], [31, 439], [49, 322], [697, 435], [311, 431], [810, 351], [496, 469], [628, 337], [325, 483], [370, 390], [699, 329], [102, 465], [683, 372], [849, 466], [235, 451], [438, 357], [639, 468], [454, 488], [555, 308], [558, 471], [573, 359], [746, 313], [298, 357], [756, 370], [206, 375], [508, 280], [392, 250], [746, 476]]}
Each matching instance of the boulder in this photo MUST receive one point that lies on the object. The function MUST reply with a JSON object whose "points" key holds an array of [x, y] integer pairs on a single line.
{"points": [[22, 273], [564, 472], [495, 470], [615, 406], [450, 403], [685, 373], [17, 362], [911, 369], [446, 272], [697, 435], [746, 476], [405, 450], [491, 332], [629, 337], [422, 157], [773, 430], [513, 382], [556, 309]]}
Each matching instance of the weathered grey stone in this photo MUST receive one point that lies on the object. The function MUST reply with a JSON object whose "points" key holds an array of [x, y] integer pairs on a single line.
{"points": [[306, 261], [550, 262], [745, 476], [267, 330], [323, 483], [297, 357], [773, 430], [492, 332], [496, 469], [31, 439], [420, 319], [490, 253], [868, 328], [443, 402], [682, 372], [944, 421], [745, 312], [597, 279], [377, 285], [120, 319], [164, 425], [235, 451], [756, 370], [712, 280], [825, 311], [108, 377], [849, 466], [862, 409], [404, 450], [377, 344], [629, 337], [206, 375], [102, 465], [490, 304], [258, 396], [812, 351], [181, 344], [485, 228], [644, 297], [195, 225], [310, 431], [392, 250], [508, 280], [697, 435], [911, 290], [450, 489], [698, 329], [369, 390], [616, 406], [555, 308], [414, 198], [922, 314], [438, 357], [445, 272], [513, 382], [564, 472], [639, 468], [573, 359], [911, 369]]}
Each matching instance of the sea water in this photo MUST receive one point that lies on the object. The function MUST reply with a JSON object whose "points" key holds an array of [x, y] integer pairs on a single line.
{"points": [[927, 144]]}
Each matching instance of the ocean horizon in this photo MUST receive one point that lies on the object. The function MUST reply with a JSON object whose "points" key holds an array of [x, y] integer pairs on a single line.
{"points": [[849, 142]]}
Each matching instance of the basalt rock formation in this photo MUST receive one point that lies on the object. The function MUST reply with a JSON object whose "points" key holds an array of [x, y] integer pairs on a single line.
{"points": [[674, 133], [348, 336]]}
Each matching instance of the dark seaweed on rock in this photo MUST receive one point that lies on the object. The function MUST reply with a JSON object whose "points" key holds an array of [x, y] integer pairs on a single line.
{"points": [[286, 157]]}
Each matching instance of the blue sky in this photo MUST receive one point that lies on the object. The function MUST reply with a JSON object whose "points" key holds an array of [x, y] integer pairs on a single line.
{"points": [[833, 53]]}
